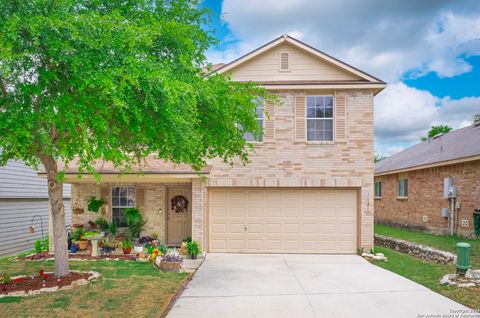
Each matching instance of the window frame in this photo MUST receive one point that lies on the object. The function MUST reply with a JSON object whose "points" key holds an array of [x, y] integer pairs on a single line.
{"points": [[405, 188], [261, 103], [121, 206], [324, 119], [379, 195]]}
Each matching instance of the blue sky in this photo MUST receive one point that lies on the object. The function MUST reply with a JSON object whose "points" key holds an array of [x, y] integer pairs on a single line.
{"points": [[427, 51]]}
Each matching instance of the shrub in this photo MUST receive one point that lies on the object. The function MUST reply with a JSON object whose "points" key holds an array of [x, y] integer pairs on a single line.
{"points": [[38, 246], [134, 221]]}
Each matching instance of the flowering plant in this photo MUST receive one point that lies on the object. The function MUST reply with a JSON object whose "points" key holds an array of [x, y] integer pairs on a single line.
{"points": [[43, 275], [154, 254], [145, 240], [19, 280], [170, 257]]}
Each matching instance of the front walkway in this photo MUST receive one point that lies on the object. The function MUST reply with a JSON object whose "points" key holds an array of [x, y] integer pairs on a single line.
{"points": [[248, 285]]}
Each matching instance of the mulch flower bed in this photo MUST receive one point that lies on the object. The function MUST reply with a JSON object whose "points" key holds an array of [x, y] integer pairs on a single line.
{"points": [[77, 256], [43, 282]]}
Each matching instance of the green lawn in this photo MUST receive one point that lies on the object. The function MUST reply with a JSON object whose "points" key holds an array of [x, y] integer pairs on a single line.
{"points": [[428, 275], [127, 289], [441, 242]]}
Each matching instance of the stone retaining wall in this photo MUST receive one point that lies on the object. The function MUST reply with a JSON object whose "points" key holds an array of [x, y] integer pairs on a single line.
{"points": [[417, 250]]}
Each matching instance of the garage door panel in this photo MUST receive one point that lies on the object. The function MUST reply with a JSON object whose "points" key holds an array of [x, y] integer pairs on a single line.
{"points": [[219, 211], [273, 228], [254, 228], [282, 220], [292, 228], [219, 228], [237, 244], [237, 228]]}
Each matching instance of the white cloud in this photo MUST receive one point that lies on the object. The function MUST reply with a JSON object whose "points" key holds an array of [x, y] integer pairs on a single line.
{"points": [[381, 37], [387, 39], [404, 114]]}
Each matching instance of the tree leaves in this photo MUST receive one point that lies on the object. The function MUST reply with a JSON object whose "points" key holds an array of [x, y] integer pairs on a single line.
{"points": [[116, 81]]}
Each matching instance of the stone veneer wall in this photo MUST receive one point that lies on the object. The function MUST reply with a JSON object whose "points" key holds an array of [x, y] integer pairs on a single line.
{"points": [[425, 197], [417, 250], [283, 162]]}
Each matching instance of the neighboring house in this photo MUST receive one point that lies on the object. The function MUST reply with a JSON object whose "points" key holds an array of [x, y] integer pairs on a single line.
{"points": [[23, 195], [308, 188], [410, 184]]}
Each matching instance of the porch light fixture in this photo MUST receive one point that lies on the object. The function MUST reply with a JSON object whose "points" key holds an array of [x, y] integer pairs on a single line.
{"points": [[159, 211]]}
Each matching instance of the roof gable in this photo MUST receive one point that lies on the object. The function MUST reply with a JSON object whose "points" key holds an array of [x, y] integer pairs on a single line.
{"points": [[307, 63]]}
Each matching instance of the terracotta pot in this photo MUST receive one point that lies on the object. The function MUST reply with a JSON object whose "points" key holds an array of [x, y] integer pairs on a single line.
{"points": [[82, 245], [170, 266], [127, 251]]}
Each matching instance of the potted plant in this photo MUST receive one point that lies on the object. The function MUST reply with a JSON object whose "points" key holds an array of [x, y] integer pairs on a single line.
{"points": [[79, 237], [193, 249], [107, 246], [73, 247], [135, 222], [127, 246], [171, 262], [94, 205], [102, 225], [183, 248]]}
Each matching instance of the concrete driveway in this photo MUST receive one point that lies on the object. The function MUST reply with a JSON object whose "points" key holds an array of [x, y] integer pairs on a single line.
{"points": [[248, 285]]}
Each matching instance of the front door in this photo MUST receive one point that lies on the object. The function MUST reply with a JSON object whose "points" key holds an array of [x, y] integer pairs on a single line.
{"points": [[179, 214]]}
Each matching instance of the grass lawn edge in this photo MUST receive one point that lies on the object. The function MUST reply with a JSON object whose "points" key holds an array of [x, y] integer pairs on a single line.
{"points": [[173, 298]]}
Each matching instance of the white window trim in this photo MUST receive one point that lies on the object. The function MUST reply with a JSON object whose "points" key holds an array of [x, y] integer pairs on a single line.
{"points": [[280, 69], [263, 127], [320, 142], [111, 199], [375, 190], [398, 192]]}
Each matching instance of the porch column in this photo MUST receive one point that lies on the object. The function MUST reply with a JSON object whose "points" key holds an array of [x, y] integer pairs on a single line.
{"points": [[198, 212]]}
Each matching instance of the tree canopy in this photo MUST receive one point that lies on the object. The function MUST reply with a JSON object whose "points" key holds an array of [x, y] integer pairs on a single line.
{"points": [[435, 130], [116, 81]]}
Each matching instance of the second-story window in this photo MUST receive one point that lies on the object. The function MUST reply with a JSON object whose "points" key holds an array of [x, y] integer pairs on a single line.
{"points": [[260, 116], [319, 118]]}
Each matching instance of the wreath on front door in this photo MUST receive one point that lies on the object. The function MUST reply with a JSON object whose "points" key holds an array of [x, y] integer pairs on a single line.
{"points": [[179, 204]]}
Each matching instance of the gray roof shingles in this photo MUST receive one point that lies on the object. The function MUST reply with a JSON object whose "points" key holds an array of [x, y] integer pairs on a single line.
{"points": [[457, 144]]}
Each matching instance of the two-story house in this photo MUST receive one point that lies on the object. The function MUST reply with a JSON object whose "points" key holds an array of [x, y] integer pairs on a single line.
{"points": [[308, 188]]}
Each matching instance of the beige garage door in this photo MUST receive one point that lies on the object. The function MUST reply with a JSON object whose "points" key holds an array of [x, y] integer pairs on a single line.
{"points": [[282, 221]]}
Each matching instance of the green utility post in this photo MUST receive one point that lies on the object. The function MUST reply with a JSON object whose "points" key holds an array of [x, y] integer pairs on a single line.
{"points": [[463, 258]]}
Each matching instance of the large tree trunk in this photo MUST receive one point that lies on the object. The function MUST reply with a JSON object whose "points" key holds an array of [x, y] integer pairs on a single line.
{"points": [[55, 194]]}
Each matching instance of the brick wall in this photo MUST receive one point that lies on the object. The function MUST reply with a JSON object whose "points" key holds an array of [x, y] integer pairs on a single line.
{"points": [[282, 162], [286, 163], [425, 197], [154, 199]]}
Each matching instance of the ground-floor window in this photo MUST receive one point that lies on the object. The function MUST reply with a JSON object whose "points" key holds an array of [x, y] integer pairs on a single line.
{"points": [[378, 189], [122, 198], [402, 188]]}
